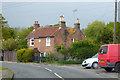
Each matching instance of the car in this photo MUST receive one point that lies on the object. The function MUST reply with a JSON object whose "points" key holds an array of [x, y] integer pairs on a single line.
{"points": [[91, 62]]}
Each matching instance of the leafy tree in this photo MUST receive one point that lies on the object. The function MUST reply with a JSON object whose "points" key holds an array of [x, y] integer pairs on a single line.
{"points": [[10, 44], [21, 36], [83, 49], [7, 33], [110, 30], [61, 49], [93, 30], [2, 20]]}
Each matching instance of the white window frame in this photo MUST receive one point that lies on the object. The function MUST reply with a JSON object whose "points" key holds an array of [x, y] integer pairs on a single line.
{"points": [[31, 41], [48, 41], [73, 40]]}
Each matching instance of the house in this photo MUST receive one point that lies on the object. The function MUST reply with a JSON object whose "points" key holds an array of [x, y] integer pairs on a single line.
{"points": [[46, 38]]}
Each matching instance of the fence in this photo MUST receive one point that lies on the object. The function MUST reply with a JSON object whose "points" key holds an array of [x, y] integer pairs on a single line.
{"points": [[10, 56]]}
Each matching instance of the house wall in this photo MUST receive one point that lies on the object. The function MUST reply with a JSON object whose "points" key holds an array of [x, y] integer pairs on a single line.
{"points": [[41, 46], [61, 37]]}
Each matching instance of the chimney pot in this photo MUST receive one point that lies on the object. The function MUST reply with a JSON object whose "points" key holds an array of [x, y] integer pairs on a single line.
{"points": [[62, 22], [77, 20], [35, 22]]}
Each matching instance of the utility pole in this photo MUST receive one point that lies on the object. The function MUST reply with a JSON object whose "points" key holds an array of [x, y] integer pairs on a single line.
{"points": [[115, 23]]}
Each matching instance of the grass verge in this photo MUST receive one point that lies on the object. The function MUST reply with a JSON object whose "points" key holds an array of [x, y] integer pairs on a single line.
{"points": [[11, 72]]}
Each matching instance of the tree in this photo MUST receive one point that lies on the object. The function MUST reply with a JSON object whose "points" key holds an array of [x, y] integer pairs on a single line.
{"points": [[10, 44], [2, 20], [21, 36], [83, 49], [110, 29], [93, 30], [7, 33]]}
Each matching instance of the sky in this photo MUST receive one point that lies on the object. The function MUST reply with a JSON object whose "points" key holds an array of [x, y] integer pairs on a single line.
{"points": [[23, 14]]}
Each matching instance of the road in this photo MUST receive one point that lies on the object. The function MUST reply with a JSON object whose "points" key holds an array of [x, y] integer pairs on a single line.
{"points": [[22, 70]]}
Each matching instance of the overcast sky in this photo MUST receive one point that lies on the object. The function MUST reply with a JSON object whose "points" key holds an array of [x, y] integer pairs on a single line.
{"points": [[23, 14]]}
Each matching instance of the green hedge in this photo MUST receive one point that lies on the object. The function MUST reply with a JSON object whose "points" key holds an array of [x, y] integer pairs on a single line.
{"points": [[25, 55]]}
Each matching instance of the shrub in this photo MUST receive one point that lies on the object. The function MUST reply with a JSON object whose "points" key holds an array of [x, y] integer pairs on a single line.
{"points": [[61, 49], [83, 49], [25, 55], [51, 56], [10, 44]]}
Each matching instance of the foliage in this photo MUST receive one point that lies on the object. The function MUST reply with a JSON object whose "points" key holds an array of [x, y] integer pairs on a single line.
{"points": [[100, 32], [110, 30], [21, 36], [25, 55], [7, 33], [93, 30], [51, 56], [61, 49], [83, 49], [10, 44], [2, 20]]}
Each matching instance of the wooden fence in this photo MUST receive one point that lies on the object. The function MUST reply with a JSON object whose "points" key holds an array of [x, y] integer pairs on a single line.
{"points": [[10, 56]]}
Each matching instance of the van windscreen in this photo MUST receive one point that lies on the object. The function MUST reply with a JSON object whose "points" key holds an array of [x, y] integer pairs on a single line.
{"points": [[103, 50]]}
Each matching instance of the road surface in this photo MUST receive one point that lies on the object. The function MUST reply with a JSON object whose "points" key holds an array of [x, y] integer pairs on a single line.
{"points": [[22, 70]]}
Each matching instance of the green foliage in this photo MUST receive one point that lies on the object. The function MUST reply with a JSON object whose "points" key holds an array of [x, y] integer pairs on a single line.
{"points": [[83, 49], [61, 49], [25, 55], [93, 30], [51, 56], [21, 36], [7, 33], [100, 32], [10, 44], [110, 30]]}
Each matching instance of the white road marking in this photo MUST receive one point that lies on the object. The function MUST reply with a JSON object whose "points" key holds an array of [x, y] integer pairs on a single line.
{"points": [[58, 76], [48, 69]]}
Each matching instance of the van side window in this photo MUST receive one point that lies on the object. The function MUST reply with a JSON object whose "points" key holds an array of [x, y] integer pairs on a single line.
{"points": [[104, 49]]}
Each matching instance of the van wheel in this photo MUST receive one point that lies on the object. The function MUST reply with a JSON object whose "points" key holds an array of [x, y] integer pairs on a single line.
{"points": [[95, 65], [108, 69], [117, 68]]}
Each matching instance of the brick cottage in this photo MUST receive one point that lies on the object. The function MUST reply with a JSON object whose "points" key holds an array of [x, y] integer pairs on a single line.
{"points": [[46, 38]]}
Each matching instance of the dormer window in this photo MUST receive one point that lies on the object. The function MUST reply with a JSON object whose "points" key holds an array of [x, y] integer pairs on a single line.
{"points": [[72, 39], [32, 42]]}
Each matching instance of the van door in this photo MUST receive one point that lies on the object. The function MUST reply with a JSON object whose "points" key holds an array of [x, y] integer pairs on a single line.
{"points": [[102, 57]]}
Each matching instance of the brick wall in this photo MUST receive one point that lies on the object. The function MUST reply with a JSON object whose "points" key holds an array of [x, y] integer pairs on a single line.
{"points": [[42, 45]]}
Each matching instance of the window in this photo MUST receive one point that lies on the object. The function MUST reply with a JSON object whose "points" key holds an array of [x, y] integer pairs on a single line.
{"points": [[48, 41], [32, 42], [103, 50], [72, 39]]}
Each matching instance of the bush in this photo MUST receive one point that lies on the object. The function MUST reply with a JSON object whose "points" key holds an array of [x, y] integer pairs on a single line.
{"points": [[83, 49], [25, 55], [10, 44], [51, 56]]}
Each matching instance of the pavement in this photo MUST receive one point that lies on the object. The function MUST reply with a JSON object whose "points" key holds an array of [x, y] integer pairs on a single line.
{"points": [[22, 70]]}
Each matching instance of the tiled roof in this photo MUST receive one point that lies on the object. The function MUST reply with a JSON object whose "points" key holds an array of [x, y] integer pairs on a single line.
{"points": [[43, 32], [71, 30]]}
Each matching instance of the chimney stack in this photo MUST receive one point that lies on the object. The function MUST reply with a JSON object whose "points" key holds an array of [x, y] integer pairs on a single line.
{"points": [[36, 25], [62, 22], [77, 25]]}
